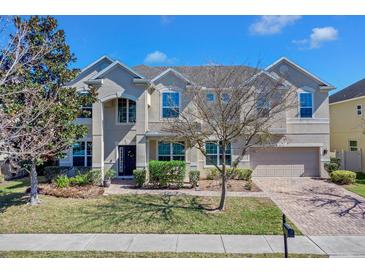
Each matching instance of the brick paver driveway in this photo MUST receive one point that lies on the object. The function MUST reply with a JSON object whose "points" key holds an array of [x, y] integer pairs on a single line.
{"points": [[316, 206]]}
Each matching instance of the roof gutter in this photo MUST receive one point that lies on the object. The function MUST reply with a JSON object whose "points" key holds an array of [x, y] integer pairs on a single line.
{"points": [[348, 100]]}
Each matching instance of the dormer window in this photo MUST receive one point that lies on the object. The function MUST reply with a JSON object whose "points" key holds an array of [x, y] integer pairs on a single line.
{"points": [[305, 105], [170, 104]]}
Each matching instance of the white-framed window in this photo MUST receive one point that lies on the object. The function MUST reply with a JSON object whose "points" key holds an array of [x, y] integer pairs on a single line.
{"points": [[359, 110], [263, 106], [171, 151], [353, 145], [214, 154], [305, 105], [210, 97], [126, 111], [82, 153], [170, 104], [86, 110], [226, 97]]}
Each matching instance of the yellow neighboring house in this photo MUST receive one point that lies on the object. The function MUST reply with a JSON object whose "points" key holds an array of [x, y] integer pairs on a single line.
{"points": [[347, 121]]}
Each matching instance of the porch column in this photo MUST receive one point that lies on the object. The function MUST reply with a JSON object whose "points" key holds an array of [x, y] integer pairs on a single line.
{"points": [[193, 158], [141, 128], [97, 137]]}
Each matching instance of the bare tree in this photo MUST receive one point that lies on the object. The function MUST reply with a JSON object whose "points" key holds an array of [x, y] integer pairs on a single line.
{"points": [[240, 108]]}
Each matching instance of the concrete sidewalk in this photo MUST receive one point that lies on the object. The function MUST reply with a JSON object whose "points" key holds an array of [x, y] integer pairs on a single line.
{"points": [[341, 246]]}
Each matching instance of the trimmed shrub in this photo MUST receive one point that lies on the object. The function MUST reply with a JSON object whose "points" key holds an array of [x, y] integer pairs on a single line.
{"points": [[110, 174], [163, 173], [62, 181], [140, 176], [333, 165], [194, 176], [343, 177], [244, 174], [213, 174], [232, 173], [248, 185], [94, 176], [52, 172], [80, 180]]}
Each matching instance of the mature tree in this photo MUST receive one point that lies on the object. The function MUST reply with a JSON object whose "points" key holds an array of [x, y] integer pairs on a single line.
{"points": [[38, 110], [239, 109]]}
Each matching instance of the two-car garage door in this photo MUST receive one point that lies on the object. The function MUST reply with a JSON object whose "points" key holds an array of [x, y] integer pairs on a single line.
{"points": [[285, 162]]}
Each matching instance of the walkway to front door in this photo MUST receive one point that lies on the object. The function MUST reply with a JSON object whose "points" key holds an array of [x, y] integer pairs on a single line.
{"points": [[126, 160]]}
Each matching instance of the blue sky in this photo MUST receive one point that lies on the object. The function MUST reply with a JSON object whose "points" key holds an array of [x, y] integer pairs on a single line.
{"points": [[332, 47]]}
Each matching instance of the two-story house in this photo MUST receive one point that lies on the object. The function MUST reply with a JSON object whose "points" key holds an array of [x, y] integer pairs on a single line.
{"points": [[125, 124], [348, 125]]}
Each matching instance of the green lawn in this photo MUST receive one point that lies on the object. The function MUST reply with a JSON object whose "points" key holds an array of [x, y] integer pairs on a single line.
{"points": [[105, 254], [134, 214], [358, 187]]}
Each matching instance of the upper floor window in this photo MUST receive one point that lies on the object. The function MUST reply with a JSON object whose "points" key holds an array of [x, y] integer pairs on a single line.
{"points": [[263, 106], [86, 111], [359, 110], [171, 151], [215, 154], [170, 104], [82, 153], [126, 111], [353, 145], [210, 98], [306, 105], [225, 97]]}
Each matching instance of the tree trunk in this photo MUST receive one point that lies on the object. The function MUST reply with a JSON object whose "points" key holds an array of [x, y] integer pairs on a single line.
{"points": [[33, 185], [222, 202]]}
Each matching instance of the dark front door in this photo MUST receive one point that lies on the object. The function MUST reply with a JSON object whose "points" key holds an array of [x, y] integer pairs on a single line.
{"points": [[127, 160]]}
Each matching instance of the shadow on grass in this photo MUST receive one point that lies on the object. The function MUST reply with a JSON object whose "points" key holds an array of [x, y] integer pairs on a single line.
{"points": [[167, 209], [11, 199]]}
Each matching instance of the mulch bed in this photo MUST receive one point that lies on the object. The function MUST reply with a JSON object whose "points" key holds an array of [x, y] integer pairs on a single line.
{"points": [[233, 185], [83, 192]]}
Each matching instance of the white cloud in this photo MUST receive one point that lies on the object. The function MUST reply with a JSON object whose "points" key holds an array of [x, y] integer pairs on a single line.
{"points": [[317, 38], [321, 35], [158, 57], [268, 25]]}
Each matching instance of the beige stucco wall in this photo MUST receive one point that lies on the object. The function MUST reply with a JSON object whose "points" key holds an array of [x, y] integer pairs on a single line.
{"points": [[346, 125], [106, 134]]}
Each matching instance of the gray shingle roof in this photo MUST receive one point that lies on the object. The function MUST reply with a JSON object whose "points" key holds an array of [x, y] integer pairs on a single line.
{"points": [[198, 74], [355, 90]]}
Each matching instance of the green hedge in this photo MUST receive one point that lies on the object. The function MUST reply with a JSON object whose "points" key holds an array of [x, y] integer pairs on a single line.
{"points": [[333, 165], [93, 177], [164, 174], [194, 176], [140, 176], [235, 174], [343, 177]]}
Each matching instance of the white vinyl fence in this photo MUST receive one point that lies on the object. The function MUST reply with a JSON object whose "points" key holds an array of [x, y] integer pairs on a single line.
{"points": [[350, 160]]}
